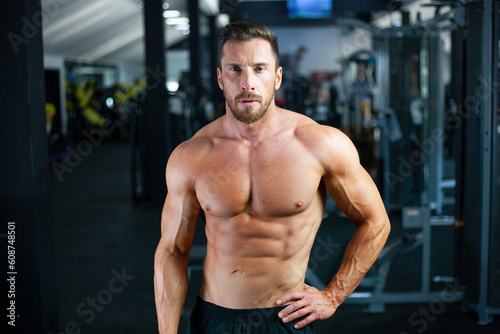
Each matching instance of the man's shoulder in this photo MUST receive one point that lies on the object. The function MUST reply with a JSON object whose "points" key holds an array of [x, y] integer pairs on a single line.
{"points": [[310, 132], [325, 142], [195, 148]]}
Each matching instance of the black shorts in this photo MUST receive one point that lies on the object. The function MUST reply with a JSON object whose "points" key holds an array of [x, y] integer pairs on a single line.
{"points": [[208, 318]]}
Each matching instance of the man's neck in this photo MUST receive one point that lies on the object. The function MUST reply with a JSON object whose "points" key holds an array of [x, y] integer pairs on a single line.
{"points": [[255, 132]]}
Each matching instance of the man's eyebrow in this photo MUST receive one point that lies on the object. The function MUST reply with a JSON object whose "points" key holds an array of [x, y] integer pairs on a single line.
{"points": [[260, 63]]}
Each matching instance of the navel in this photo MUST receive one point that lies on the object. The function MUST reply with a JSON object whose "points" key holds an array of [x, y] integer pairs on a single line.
{"points": [[299, 204]]}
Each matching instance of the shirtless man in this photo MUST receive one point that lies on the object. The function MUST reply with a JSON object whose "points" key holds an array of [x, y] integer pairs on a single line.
{"points": [[258, 177]]}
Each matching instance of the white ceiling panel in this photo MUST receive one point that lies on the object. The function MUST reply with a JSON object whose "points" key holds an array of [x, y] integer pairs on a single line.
{"points": [[102, 30]]}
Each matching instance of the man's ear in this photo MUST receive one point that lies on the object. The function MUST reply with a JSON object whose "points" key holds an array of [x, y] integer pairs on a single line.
{"points": [[279, 77], [219, 78]]}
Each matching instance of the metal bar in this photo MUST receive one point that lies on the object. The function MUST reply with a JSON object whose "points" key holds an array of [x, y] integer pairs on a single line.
{"points": [[442, 221], [483, 320], [348, 22], [486, 129], [424, 94], [213, 37], [383, 80], [443, 18], [448, 183], [439, 105], [434, 152], [426, 251], [157, 143], [194, 47], [494, 282], [493, 310], [402, 297]]}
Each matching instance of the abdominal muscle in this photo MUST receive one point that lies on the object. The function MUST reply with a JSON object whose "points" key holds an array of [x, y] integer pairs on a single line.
{"points": [[250, 263]]}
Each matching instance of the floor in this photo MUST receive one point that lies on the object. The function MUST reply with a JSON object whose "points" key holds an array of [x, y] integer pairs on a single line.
{"points": [[104, 249]]}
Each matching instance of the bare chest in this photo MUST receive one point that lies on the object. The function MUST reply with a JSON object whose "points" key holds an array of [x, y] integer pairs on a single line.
{"points": [[266, 181]]}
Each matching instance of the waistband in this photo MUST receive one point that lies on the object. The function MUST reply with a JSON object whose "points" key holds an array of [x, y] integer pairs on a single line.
{"points": [[246, 315]]}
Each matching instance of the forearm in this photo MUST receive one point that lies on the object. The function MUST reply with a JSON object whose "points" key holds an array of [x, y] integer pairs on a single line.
{"points": [[361, 253], [171, 287]]}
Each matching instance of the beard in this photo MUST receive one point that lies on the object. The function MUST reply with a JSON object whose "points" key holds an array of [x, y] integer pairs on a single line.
{"points": [[250, 114]]}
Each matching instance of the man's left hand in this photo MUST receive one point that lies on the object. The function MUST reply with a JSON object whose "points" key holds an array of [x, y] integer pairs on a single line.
{"points": [[309, 303]]}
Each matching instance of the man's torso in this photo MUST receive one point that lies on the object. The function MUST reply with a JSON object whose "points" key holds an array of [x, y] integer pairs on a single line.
{"points": [[263, 205]]}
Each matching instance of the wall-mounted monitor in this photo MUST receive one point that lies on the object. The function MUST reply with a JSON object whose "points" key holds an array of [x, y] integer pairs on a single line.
{"points": [[309, 9]]}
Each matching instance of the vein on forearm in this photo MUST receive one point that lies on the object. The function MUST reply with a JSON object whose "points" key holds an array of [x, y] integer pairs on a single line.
{"points": [[361, 253]]}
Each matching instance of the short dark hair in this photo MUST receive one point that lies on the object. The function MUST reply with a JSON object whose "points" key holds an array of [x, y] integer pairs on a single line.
{"points": [[243, 31]]}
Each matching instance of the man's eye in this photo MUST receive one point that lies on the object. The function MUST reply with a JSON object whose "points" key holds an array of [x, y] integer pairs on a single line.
{"points": [[260, 68], [233, 69]]}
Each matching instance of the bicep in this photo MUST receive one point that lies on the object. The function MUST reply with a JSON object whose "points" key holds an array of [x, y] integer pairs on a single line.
{"points": [[179, 217], [180, 211], [351, 186], [355, 194]]}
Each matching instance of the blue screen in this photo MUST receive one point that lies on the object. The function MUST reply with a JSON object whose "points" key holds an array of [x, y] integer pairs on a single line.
{"points": [[309, 9]]}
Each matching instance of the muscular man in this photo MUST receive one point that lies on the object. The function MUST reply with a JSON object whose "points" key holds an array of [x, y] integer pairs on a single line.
{"points": [[259, 176]]}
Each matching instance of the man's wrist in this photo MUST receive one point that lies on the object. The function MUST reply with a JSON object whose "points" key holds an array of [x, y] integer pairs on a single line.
{"points": [[330, 296], [334, 292]]}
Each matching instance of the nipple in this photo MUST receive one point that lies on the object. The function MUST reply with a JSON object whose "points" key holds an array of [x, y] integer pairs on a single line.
{"points": [[207, 207], [298, 204]]}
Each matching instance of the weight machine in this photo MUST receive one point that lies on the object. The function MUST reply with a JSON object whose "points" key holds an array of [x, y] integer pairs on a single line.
{"points": [[418, 104]]}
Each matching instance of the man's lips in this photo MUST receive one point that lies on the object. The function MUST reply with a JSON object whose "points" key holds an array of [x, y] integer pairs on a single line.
{"points": [[248, 99]]}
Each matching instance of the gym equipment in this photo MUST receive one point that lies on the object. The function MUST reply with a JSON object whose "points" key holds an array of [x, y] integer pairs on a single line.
{"points": [[479, 162], [376, 279], [358, 120], [416, 101]]}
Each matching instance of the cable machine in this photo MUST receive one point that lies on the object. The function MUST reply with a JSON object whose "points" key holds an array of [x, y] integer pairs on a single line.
{"points": [[408, 60], [478, 215], [359, 118]]}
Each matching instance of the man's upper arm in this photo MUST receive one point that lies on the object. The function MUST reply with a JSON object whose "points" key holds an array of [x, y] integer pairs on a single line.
{"points": [[347, 181], [181, 209]]}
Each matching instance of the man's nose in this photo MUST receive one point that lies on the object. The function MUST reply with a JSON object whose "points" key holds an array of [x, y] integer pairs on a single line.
{"points": [[248, 81]]}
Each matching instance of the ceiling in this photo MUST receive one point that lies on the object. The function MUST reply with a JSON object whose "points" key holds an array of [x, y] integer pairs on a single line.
{"points": [[113, 30], [100, 30]]}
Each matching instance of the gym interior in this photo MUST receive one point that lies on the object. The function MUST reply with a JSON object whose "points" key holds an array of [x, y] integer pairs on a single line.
{"points": [[98, 93]]}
